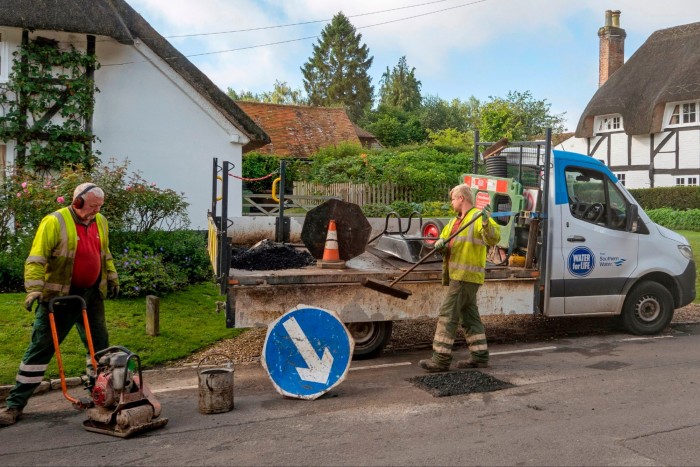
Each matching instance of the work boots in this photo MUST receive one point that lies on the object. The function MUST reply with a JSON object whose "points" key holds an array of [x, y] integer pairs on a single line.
{"points": [[431, 367], [9, 416], [464, 364]]}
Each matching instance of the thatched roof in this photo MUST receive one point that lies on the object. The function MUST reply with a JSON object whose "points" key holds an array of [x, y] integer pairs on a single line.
{"points": [[116, 19], [666, 68], [300, 130]]}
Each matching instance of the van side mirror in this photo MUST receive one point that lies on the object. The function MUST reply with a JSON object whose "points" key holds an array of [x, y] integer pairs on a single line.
{"points": [[632, 217]]}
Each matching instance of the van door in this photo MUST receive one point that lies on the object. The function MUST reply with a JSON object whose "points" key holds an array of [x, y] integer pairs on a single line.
{"points": [[599, 255]]}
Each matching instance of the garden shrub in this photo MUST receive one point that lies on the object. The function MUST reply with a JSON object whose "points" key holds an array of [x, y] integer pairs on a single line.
{"points": [[184, 252], [141, 272], [405, 209], [12, 258], [437, 209], [133, 208], [676, 219]]}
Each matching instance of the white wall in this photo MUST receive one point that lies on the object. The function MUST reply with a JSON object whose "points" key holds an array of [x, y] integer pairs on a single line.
{"points": [[572, 144], [148, 114]]}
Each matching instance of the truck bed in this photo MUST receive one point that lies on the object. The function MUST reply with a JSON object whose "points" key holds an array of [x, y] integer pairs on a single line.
{"points": [[259, 297]]}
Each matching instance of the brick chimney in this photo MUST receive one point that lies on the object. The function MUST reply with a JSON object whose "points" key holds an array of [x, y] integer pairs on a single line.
{"points": [[612, 46]]}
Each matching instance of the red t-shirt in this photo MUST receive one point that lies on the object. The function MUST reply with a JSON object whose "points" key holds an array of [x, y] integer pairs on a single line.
{"points": [[87, 265]]}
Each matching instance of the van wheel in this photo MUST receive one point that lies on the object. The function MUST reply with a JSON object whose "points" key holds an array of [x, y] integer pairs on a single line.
{"points": [[648, 309], [370, 338]]}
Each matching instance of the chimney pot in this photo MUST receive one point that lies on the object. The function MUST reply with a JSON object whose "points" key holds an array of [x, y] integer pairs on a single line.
{"points": [[608, 18], [616, 18]]}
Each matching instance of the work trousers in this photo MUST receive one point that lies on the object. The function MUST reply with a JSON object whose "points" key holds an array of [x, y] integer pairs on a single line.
{"points": [[459, 307], [41, 348]]}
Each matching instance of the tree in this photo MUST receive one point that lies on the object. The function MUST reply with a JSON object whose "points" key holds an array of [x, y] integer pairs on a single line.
{"points": [[438, 114], [281, 94], [336, 73], [400, 88], [393, 126], [519, 116]]}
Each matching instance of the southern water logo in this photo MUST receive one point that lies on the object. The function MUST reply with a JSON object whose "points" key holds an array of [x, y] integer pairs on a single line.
{"points": [[581, 261], [609, 260]]}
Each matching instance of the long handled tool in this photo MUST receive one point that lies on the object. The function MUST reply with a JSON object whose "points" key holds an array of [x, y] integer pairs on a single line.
{"points": [[83, 402], [397, 292]]}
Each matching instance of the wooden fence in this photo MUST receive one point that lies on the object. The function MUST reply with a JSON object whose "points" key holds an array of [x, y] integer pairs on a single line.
{"points": [[363, 194]]}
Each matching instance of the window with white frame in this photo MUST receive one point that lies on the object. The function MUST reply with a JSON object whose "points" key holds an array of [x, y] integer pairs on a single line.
{"points": [[608, 123], [687, 181], [5, 60], [682, 114], [621, 178]]}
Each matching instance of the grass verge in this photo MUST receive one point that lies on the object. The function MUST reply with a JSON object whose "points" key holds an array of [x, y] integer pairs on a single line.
{"points": [[188, 322], [694, 239]]}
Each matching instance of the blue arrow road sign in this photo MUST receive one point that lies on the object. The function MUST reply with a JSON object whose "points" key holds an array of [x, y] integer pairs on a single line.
{"points": [[307, 352]]}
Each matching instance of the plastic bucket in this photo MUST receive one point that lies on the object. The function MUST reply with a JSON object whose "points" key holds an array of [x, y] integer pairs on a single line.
{"points": [[215, 388]]}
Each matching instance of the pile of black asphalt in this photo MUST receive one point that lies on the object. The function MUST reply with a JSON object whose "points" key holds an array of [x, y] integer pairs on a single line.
{"points": [[268, 255], [458, 382]]}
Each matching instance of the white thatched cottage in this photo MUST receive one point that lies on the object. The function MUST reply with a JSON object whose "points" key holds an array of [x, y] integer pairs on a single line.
{"points": [[644, 120], [154, 106]]}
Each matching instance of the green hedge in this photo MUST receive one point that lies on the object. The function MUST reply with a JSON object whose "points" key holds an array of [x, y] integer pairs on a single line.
{"points": [[675, 197], [676, 220]]}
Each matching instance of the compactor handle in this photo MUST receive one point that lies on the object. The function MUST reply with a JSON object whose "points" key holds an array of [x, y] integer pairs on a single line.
{"points": [[67, 298]]}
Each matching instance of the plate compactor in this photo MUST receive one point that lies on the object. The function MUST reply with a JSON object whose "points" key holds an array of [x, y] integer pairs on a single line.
{"points": [[120, 403]]}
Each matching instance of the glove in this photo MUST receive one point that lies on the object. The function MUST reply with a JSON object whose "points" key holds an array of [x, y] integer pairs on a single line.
{"points": [[439, 244], [31, 298], [486, 214], [112, 291]]}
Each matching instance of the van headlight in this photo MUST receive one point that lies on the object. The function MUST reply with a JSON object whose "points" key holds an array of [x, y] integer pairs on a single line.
{"points": [[686, 251]]}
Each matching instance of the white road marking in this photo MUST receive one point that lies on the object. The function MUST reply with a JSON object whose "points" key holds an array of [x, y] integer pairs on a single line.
{"points": [[385, 365], [536, 349], [175, 388], [630, 339]]}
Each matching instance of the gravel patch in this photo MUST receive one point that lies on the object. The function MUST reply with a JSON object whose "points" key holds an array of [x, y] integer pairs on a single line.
{"points": [[417, 334]]}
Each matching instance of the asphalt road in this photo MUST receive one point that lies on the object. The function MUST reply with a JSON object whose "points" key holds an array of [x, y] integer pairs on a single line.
{"points": [[596, 400]]}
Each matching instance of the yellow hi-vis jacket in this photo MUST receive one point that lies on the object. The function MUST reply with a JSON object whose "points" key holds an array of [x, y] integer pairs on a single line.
{"points": [[49, 267], [466, 260]]}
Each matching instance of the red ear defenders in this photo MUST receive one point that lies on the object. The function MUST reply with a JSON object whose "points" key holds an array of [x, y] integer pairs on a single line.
{"points": [[79, 202]]}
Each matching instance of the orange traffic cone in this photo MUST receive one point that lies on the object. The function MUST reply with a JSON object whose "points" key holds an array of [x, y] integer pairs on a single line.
{"points": [[331, 254]]}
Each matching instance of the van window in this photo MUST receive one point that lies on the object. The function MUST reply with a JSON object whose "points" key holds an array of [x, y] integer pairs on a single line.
{"points": [[594, 198]]}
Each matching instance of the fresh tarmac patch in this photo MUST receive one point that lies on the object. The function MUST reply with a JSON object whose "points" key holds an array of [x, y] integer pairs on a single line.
{"points": [[458, 382]]}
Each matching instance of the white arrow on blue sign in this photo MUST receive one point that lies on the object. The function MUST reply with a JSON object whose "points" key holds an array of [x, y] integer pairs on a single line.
{"points": [[307, 352]]}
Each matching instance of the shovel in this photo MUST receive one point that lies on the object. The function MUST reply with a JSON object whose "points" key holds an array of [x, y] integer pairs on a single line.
{"points": [[397, 292]]}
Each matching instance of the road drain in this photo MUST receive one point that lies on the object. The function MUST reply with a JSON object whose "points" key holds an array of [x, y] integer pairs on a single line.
{"points": [[458, 382]]}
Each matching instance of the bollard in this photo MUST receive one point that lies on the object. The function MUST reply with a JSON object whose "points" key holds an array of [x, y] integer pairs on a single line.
{"points": [[152, 315]]}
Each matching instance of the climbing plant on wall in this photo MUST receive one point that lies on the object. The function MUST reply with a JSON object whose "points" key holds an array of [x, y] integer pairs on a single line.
{"points": [[47, 105]]}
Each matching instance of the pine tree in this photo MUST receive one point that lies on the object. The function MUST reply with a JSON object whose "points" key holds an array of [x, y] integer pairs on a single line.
{"points": [[336, 73], [399, 87]]}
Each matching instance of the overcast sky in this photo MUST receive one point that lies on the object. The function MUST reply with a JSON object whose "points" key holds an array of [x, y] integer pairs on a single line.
{"points": [[477, 48]]}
